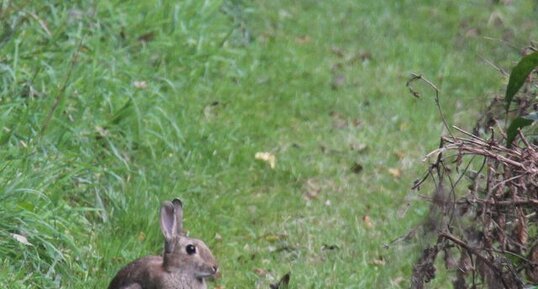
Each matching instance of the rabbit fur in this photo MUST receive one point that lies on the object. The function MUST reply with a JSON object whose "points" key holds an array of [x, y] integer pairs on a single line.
{"points": [[185, 263]]}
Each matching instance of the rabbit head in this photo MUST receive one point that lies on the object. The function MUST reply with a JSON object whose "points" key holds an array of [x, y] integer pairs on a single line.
{"points": [[181, 253]]}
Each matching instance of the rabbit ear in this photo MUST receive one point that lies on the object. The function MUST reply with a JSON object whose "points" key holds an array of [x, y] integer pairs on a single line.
{"points": [[178, 213], [168, 221]]}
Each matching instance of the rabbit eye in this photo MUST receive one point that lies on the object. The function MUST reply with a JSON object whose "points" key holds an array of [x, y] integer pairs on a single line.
{"points": [[191, 249]]}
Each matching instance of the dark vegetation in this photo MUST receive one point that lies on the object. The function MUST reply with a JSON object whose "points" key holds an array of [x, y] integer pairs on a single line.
{"points": [[482, 219]]}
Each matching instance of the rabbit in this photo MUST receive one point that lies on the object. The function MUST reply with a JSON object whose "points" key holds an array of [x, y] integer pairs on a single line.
{"points": [[185, 264]]}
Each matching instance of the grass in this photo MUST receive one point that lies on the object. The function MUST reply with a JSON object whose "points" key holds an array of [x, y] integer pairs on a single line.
{"points": [[109, 108]]}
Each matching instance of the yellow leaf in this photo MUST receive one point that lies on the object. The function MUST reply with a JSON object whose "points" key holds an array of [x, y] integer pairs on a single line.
{"points": [[395, 172], [141, 236], [266, 157]]}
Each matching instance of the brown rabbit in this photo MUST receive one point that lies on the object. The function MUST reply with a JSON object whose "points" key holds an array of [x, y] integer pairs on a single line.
{"points": [[185, 262]]}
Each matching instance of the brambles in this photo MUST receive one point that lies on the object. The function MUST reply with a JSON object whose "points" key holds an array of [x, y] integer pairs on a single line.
{"points": [[483, 209]]}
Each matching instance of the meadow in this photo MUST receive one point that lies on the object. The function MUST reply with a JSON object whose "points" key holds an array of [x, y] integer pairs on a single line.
{"points": [[108, 108]]}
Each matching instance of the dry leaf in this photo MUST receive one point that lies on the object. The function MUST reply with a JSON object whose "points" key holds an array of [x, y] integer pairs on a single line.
{"points": [[303, 39], [358, 147], [103, 132], [338, 51], [211, 109], [218, 237], [266, 157], [146, 37], [141, 236], [140, 84], [378, 261], [21, 239], [522, 231], [367, 221], [396, 281], [312, 189], [400, 154], [260, 272], [274, 237], [338, 120], [395, 172]]}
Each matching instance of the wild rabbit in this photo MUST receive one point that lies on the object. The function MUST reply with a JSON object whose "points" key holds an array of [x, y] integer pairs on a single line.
{"points": [[185, 263]]}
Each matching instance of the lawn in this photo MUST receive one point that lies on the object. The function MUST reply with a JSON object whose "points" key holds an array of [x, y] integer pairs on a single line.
{"points": [[109, 108]]}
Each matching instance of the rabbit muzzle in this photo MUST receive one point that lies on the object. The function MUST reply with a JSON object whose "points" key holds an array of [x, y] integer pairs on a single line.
{"points": [[209, 271]]}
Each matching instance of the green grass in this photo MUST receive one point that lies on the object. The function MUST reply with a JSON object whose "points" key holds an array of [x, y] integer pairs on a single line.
{"points": [[87, 156]]}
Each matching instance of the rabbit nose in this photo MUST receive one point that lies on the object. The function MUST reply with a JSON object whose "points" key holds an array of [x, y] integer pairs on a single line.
{"points": [[215, 269]]}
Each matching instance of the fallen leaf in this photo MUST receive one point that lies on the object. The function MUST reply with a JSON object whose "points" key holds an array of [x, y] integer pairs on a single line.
{"points": [[338, 51], [312, 189], [496, 19], [378, 261], [266, 157], [103, 132], [395, 172], [303, 39], [521, 230], [21, 239], [211, 110], [339, 121], [146, 37], [140, 84], [218, 237], [358, 147], [362, 56], [274, 237], [260, 272], [141, 236], [396, 281], [367, 221], [400, 154], [365, 55], [472, 32]]}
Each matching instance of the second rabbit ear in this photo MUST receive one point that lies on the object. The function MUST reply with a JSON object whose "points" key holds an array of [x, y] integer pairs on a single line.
{"points": [[178, 212], [168, 220]]}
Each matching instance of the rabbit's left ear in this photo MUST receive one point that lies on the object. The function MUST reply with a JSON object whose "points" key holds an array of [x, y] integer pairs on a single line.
{"points": [[168, 221], [178, 213]]}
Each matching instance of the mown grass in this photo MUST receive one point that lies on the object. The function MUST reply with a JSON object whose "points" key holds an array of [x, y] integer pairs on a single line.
{"points": [[108, 108]]}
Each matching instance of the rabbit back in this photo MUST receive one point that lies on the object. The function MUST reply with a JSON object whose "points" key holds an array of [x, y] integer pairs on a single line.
{"points": [[139, 274]]}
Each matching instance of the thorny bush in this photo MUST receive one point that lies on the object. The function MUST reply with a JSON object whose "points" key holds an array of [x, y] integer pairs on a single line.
{"points": [[483, 212]]}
